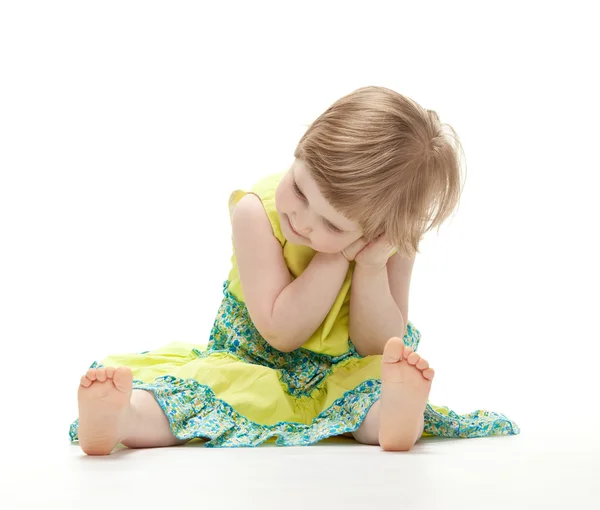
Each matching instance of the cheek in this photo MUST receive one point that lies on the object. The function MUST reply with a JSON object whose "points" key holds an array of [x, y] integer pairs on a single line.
{"points": [[284, 201], [337, 244], [329, 244], [280, 200]]}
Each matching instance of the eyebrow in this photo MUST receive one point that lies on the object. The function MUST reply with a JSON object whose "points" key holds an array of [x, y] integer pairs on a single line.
{"points": [[323, 217]]}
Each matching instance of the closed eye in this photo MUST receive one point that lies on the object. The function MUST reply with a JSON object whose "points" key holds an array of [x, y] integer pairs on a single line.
{"points": [[329, 225], [298, 192], [332, 227]]}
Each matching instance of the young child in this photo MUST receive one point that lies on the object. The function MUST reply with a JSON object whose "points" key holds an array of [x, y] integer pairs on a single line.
{"points": [[312, 338]]}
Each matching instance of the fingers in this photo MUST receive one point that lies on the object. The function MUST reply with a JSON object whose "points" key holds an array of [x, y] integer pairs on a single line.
{"points": [[374, 253], [359, 244], [351, 251], [382, 243]]}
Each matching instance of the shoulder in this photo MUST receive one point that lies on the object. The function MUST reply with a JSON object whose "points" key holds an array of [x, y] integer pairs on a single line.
{"points": [[254, 226], [258, 205], [265, 187], [248, 212]]}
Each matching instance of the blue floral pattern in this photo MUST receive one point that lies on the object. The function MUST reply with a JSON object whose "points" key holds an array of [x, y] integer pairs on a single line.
{"points": [[194, 411]]}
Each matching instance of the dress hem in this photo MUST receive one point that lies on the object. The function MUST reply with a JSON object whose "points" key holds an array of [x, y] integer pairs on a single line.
{"points": [[194, 411]]}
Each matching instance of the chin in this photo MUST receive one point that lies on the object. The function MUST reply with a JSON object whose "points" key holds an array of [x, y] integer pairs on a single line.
{"points": [[296, 240]]}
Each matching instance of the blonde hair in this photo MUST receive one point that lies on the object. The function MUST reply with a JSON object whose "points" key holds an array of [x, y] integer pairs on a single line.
{"points": [[385, 162]]}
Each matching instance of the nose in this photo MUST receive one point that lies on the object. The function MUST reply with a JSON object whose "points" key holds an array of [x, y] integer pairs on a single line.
{"points": [[300, 225]]}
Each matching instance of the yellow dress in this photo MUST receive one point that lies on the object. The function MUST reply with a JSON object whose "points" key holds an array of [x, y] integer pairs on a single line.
{"points": [[240, 391]]}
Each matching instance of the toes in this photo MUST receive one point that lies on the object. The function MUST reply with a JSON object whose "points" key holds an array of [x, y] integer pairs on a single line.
{"points": [[393, 350], [123, 379], [110, 372], [412, 358], [91, 374], [428, 374], [85, 382], [422, 364], [101, 374]]}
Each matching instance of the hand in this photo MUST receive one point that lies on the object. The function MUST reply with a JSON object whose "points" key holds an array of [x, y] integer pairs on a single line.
{"points": [[375, 254], [354, 249]]}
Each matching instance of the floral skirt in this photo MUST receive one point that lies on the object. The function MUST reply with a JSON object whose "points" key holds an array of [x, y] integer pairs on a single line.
{"points": [[239, 391]]}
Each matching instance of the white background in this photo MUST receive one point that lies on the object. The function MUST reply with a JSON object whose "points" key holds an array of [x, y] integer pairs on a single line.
{"points": [[124, 126]]}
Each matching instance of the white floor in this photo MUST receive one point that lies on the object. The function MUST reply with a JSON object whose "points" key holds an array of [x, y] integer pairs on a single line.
{"points": [[548, 467]]}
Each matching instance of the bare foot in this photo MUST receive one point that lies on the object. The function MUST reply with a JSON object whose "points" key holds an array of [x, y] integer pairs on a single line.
{"points": [[104, 395], [406, 382]]}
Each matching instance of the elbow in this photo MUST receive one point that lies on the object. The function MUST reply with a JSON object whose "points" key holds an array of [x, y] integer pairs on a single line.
{"points": [[273, 335], [361, 344], [361, 347], [283, 347], [365, 350], [281, 344], [368, 346], [279, 341], [373, 344]]}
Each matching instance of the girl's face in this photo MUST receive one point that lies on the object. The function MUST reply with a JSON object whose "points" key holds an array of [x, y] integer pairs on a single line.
{"points": [[307, 218]]}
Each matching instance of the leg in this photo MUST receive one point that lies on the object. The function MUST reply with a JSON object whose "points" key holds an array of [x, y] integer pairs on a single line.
{"points": [[368, 432], [396, 421], [148, 425], [111, 413]]}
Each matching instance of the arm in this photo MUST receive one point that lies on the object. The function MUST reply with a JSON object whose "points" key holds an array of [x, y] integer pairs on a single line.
{"points": [[285, 311], [379, 303], [302, 306]]}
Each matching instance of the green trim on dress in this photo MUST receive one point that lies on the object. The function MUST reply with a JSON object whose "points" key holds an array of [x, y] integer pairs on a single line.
{"points": [[194, 411]]}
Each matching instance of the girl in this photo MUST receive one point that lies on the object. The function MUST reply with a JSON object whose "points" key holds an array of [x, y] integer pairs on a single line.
{"points": [[312, 338]]}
